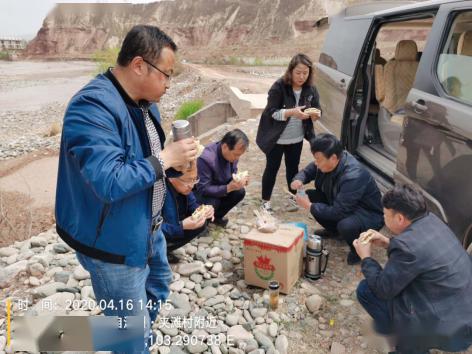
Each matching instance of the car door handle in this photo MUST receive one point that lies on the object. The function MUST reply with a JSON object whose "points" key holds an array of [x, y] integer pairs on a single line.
{"points": [[419, 106], [342, 83]]}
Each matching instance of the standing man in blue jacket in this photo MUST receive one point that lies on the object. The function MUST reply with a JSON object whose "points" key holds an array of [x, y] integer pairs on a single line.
{"points": [[179, 226], [422, 296], [112, 165], [346, 199]]}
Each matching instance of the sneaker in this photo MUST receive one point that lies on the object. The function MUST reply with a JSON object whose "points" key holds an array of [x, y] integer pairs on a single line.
{"points": [[353, 258], [292, 204], [267, 206], [292, 200], [222, 222]]}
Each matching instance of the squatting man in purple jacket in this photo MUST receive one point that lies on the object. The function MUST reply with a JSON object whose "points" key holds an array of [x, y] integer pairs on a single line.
{"points": [[216, 166]]}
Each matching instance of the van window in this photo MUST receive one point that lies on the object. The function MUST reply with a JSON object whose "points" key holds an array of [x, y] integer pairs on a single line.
{"points": [[454, 67], [343, 43]]}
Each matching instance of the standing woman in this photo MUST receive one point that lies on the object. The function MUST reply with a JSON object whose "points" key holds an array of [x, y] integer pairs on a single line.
{"points": [[283, 123]]}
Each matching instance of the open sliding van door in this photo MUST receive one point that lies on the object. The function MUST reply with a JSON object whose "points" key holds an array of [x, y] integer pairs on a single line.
{"points": [[336, 67], [436, 147]]}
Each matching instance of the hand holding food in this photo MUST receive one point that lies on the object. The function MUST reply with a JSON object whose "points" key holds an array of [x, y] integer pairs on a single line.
{"points": [[362, 249], [241, 176], [314, 113], [366, 237], [203, 211], [192, 223], [298, 113], [235, 185], [374, 237], [210, 212]]}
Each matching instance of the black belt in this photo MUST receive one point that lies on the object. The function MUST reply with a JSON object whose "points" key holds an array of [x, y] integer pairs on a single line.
{"points": [[156, 223]]}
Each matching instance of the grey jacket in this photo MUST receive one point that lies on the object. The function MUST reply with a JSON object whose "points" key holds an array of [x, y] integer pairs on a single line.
{"points": [[428, 280]]}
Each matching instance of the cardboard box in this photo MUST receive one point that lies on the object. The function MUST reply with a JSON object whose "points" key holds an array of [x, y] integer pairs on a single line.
{"points": [[276, 256]]}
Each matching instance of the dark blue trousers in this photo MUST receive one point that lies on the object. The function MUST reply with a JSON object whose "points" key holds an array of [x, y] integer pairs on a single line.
{"points": [[377, 308]]}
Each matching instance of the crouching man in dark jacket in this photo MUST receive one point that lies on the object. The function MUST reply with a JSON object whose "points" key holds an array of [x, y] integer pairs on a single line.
{"points": [[179, 227], [423, 294], [346, 199]]}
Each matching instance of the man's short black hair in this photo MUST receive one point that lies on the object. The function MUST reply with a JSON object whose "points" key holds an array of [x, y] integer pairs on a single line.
{"points": [[233, 137], [146, 42], [327, 144], [407, 200]]}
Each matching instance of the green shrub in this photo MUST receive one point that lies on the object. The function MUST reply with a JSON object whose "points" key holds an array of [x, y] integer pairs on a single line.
{"points": [[188, 108], [4, 55], [105, 58], [258, 62]]}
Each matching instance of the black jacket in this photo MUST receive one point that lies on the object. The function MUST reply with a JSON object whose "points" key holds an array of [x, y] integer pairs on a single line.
{"points": [[428, 281], [349, 189], [281, 96]]}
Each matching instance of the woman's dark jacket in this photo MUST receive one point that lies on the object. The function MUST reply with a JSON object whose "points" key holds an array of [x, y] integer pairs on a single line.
{"points": [[281, 96]]}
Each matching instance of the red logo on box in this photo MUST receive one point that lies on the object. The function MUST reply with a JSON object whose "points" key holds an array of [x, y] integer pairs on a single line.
{"points": [[263, 268]]}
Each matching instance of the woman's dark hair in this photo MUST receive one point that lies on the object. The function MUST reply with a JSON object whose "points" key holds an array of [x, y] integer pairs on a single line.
{"points": [[299, 59], [327, 144], [233, 137], [144, 41], [407, 200]]}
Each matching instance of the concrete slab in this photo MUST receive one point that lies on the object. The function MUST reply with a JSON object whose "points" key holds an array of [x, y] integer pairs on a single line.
{"points": [[247, 105]]}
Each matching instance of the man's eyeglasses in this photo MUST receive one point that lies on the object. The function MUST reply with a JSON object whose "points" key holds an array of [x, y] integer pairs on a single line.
{"points": [[189, 183], [168, 77]]}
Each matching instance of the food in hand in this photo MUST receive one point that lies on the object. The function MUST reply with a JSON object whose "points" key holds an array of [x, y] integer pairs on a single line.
{"points": [[366, 237], [238, 177], [200, 148], [200, 212], [312, 110]]}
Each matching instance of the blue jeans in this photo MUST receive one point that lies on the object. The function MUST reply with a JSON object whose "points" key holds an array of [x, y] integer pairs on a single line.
{"points": [[377, 308], [130, 289]]}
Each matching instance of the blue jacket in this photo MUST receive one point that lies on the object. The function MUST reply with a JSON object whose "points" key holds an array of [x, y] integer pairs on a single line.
{"points": [[106, 174], [350, 189], [428, 283], [176, 208]]}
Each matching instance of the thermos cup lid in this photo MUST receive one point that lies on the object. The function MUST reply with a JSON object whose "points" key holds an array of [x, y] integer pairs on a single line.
{"points": [[180, 123], [181, 129]]}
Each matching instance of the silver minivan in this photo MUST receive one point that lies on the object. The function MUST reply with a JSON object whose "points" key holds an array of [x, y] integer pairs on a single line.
{"points": [[395, 84]]}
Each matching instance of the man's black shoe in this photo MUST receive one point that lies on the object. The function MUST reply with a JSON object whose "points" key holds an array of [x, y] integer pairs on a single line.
{"points": [[221, 222], [172, 258], [326, 234], [353, 258]]}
